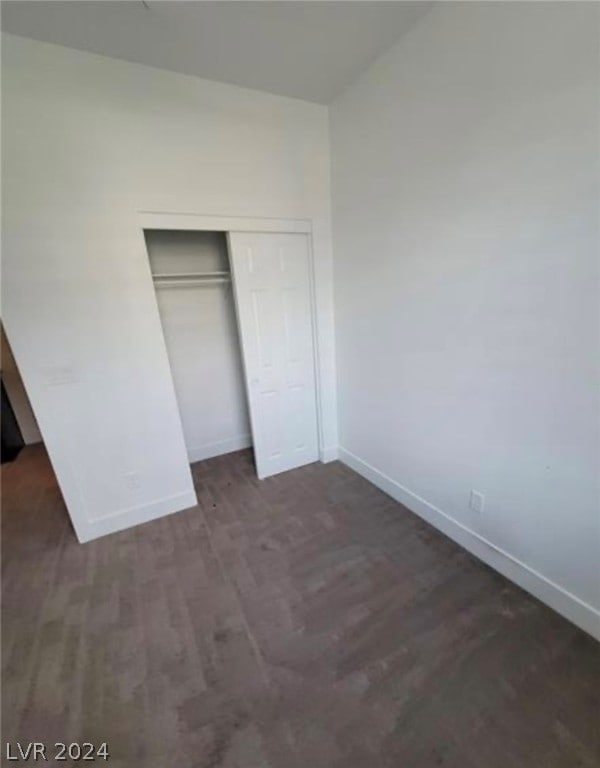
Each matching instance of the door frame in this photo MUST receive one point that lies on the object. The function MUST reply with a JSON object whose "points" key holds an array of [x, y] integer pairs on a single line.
{"points": [[225, 223]]}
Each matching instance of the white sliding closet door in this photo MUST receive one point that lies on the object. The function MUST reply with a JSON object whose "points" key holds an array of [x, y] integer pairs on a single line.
{"points": [[272, 292]]}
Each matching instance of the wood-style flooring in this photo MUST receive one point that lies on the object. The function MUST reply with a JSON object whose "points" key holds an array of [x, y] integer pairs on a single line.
{"points": [[304, 621]]}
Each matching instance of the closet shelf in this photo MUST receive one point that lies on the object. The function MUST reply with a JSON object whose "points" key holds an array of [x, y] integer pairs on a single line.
{"points": [[188, 279], [191, 275]]}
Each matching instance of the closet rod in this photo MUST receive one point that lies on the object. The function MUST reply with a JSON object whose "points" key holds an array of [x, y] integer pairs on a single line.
{"points": [[185, 275], [189, 283]]}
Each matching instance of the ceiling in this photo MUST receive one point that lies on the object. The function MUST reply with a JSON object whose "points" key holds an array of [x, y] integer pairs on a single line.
{"points": [[307, 50]]}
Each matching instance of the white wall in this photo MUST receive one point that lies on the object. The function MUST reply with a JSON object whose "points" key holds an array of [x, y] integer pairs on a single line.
{"points": [[465, 201], [17, 394], [203, 346], [87, 143]]}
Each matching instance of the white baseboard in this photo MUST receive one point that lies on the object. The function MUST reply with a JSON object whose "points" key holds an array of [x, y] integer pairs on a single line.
{"points": [[329, 454], [568, 605], [209, 450], [127, 518]]}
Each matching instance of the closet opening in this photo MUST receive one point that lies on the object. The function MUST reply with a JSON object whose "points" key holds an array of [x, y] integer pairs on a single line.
{"points": [[192, 279], [19, 425], [238, 319]]}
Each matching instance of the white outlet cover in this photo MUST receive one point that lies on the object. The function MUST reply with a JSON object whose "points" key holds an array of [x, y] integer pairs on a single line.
{"points": [[132, 480], [476, 502]]}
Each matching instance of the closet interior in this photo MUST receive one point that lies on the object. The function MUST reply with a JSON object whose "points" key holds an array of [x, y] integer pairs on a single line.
{"points": [[192, 279]]}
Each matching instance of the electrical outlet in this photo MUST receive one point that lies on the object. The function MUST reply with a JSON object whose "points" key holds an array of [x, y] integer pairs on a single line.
{"points": [[132, 481], [476, 502]]}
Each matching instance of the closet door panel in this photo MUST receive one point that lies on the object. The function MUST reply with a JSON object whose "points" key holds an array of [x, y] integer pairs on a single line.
{"points": [[272, 292]]}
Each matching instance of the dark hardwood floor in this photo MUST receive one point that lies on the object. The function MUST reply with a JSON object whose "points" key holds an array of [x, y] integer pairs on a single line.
{"points": [[304, 621]]}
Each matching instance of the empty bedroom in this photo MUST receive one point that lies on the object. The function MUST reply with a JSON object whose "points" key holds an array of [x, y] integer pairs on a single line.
{"points": [[300, 384]]}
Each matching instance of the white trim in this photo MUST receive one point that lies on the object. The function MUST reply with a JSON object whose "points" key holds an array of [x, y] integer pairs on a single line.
{"points": [[568, 605], [329, 454], [219, 223], [126, 518], [312, 289], [219, 447]]}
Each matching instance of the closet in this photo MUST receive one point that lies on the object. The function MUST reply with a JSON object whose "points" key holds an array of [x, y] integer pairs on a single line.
{"points": [[238, 325], [193, 291]]}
